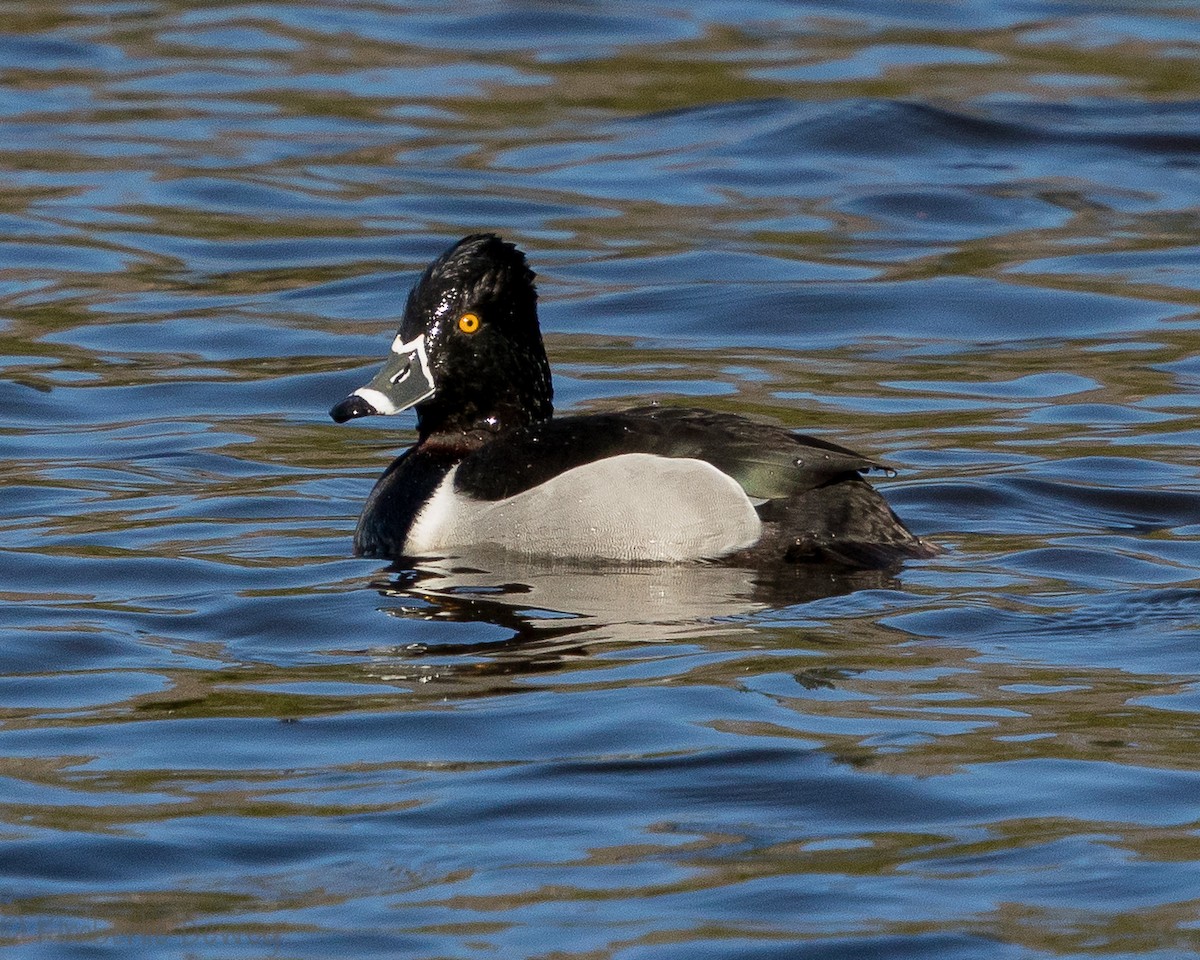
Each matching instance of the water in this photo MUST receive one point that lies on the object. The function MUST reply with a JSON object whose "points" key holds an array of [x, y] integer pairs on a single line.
{"points": [[961, 237]]}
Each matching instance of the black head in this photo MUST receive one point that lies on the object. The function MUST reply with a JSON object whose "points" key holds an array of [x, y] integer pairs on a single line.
{"points": [[469, 353]]}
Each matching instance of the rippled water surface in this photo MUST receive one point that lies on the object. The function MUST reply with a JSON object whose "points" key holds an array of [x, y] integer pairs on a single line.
{"points": [[962, 237]]}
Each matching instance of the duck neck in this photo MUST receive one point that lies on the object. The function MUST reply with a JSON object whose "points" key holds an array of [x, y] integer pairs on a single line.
{"points": [[494, 419], [470, 414]]}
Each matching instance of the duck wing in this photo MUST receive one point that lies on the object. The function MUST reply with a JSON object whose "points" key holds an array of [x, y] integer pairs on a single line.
{"points": [[768, 462]]}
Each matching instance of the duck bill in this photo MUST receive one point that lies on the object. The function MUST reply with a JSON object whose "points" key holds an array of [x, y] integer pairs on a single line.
{"points": [[404, 381]]}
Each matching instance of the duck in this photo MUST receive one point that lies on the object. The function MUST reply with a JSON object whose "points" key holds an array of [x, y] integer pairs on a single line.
{"points": [[493, 467]]}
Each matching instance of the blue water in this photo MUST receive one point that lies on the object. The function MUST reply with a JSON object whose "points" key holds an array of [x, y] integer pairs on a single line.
{"points": [[961, 237]]}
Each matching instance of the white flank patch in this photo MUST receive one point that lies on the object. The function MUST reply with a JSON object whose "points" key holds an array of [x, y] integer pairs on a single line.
{"points": [[377, 400], [631, 507]]}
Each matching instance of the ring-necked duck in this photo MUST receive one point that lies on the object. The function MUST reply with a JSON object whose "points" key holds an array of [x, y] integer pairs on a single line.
{"points": [[493, 467]]}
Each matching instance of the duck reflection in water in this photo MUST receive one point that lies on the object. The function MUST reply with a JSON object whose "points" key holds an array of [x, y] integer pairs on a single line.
{"points": [[556, 612]]}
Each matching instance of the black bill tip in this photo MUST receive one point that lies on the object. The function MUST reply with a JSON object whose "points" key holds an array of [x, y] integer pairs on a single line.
{"points": [[353, 406]]}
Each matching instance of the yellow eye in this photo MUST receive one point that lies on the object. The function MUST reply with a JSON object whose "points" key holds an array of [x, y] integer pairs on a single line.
{"points": [[468, 323]]}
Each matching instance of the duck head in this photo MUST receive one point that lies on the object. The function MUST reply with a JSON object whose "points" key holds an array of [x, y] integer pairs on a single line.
{"points": [[469, 353]]}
